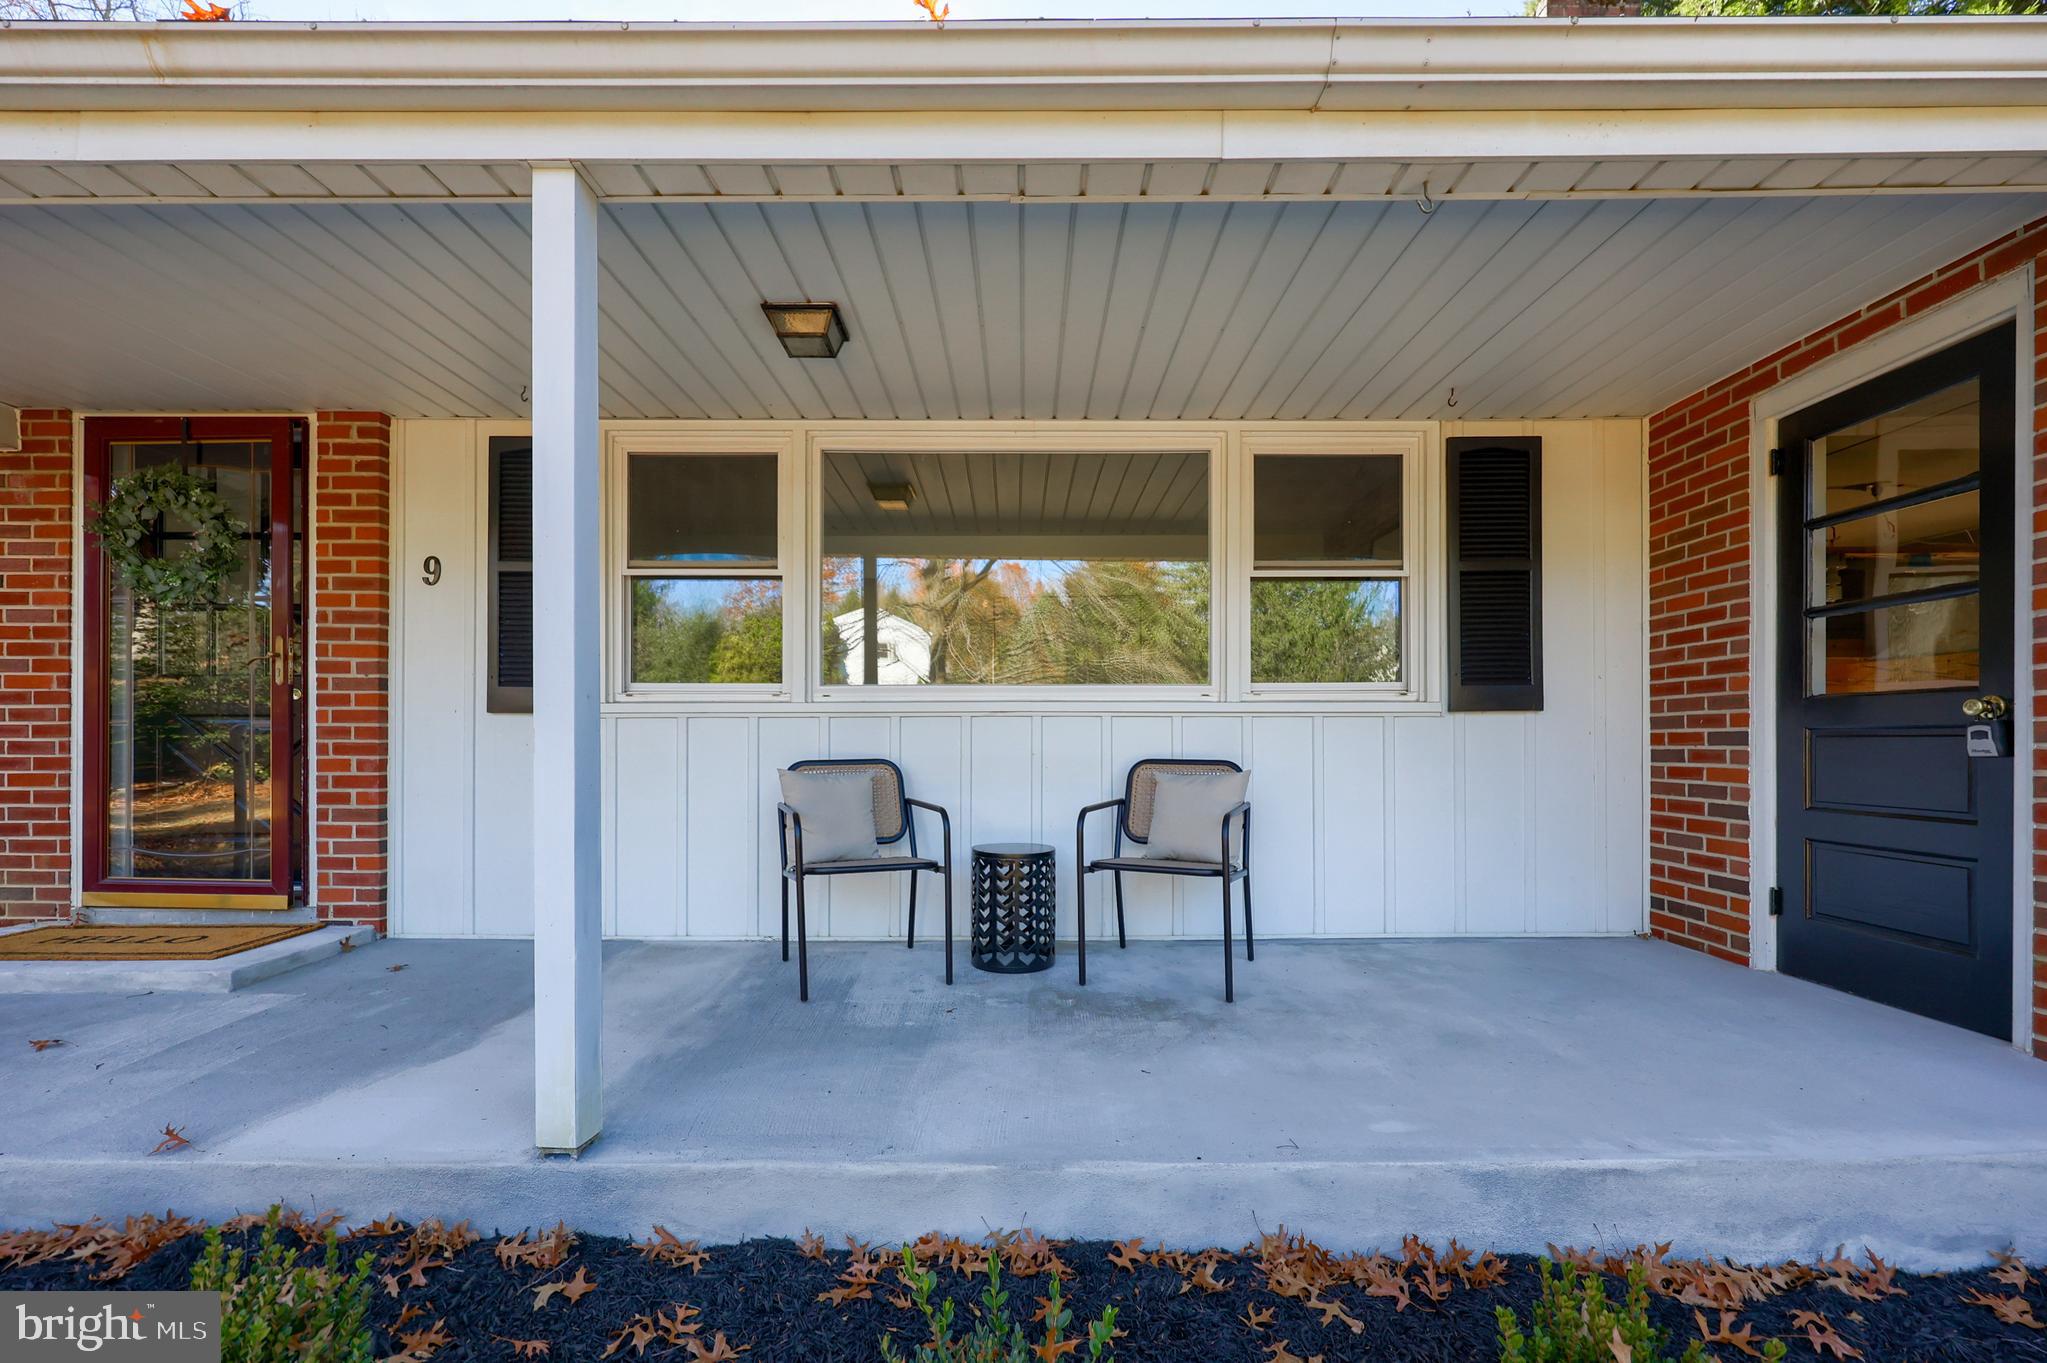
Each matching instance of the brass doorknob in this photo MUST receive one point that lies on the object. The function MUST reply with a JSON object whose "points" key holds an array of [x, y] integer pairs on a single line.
{"points": [[1986, 707]]}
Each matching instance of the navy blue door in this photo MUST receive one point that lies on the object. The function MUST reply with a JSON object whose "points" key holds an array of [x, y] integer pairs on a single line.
{"points": [[1894, 843]]}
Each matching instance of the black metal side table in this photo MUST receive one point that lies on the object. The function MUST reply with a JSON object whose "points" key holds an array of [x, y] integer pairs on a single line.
{"points": [[1015, 907]]}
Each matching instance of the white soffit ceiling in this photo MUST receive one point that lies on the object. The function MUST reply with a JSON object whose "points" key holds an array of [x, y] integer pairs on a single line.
{"points": [[1202, 311]]}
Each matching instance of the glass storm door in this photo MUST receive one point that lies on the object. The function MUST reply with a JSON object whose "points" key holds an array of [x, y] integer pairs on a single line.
{"points": [[1894, 837], [193, 779]]}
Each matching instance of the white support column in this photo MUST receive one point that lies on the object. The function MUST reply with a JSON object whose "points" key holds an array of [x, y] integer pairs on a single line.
{"points": [[568, 1007]]}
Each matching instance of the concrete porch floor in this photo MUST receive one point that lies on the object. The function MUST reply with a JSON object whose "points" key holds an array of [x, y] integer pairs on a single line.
{"points": [[1506, 1092]]}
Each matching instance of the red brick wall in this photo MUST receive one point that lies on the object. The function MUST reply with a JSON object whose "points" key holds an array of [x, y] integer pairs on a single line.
{"points": [[351, 664], [1699, 564], [351, 479], [35, 670]]}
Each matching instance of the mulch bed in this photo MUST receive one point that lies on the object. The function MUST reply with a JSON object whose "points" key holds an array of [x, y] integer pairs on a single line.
{"points": [[786, 1301]]}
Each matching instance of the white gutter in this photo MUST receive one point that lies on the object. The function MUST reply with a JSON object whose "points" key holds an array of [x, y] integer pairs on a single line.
{"points": [[1319, 64]]}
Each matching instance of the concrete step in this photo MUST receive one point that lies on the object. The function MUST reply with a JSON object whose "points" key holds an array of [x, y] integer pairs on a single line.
{"points": [[221, 976]]}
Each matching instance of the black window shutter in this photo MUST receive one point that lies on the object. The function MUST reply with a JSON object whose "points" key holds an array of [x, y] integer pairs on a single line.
{"points": [[1495, 557], [510, 689]]}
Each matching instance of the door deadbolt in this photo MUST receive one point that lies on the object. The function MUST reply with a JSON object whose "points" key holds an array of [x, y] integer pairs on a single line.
{"points": [[430, 570]]}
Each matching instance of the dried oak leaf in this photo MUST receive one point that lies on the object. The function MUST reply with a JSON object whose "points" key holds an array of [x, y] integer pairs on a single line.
{"points": [[411, 1275], [525, 1348], [114, 1249], [312, 1230], [2011, 1270], [1388, 1282], [1619, 1348], [1333, 1312], [2010, 1310], [1129, 1255], [839, 1296], [1743, 1339], [1282, 1352], [1586, 1260], [1871, 1283], [544, 1250], [1488, 1270], [1204, 1278], [409, 1314], [573, 1288], [638, 1333], [811, 1245], [47, 1042], [1257, 1317], [718, 1351], [665, 1248], [1025, 1253], [173, 1139], [433, 1237], [427, 1342], [1821, 1335]]}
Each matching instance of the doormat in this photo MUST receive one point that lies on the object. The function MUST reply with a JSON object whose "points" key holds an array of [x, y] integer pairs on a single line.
{"points": [[142, 944]]}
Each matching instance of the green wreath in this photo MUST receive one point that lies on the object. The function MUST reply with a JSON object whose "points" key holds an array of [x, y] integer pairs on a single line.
{"points": [[127, 523]]}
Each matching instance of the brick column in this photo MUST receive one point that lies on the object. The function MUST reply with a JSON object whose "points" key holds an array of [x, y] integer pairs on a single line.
{"points": [[2038, 661], [351, 664], [35, 671]]}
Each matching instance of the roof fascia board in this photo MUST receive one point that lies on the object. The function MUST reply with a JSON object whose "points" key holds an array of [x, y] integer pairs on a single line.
{"points": [[1298, 64]]}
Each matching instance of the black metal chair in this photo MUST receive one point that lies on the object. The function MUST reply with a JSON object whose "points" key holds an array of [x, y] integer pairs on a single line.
{"points": [[1134, 822], [892, 823]]}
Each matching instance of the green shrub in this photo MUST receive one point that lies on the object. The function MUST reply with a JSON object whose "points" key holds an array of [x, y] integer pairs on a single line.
{"points": [[1575, 1323], [995, 1338], [275, 1310]]}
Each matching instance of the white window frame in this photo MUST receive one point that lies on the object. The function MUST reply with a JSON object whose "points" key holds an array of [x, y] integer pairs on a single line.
{"points": [[1231, 448], [979, 438], [620, 447], [1419, 574]]}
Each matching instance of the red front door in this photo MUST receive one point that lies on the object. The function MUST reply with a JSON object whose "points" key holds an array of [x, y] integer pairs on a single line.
{"points": [[193, 783]]}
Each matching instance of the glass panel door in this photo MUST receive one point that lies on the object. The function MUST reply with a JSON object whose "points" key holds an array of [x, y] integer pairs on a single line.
{"points": [[192, 705], [1897, 525], [1895, 543]]}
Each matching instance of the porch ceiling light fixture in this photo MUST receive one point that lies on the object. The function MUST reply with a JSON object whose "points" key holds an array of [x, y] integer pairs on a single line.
{"points": [[892, 496], [807, 331]]}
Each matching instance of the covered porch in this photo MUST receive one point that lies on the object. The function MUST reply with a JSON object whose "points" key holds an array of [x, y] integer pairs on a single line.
{"points": [[1245, 246], [1508, 1093]]}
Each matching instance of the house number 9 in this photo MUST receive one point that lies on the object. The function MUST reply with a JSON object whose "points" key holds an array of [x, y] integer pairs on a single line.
{"points": [[431, 570]]}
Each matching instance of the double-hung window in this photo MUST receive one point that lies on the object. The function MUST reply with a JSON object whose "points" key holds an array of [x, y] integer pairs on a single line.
{"points": [[703, 569], [1331, 567]]}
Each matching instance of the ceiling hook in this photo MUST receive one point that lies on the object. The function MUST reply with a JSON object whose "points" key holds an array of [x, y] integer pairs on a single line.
{"points": [[1425, 203], [1453, 398], [522, 392]]}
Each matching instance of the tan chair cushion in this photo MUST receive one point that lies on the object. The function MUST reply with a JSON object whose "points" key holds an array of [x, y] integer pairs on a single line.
{"points": [[1187, 814], [837, 810]]}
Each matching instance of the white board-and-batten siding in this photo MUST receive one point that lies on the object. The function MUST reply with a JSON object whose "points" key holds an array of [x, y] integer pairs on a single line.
{"points": [[1367, 821]]}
